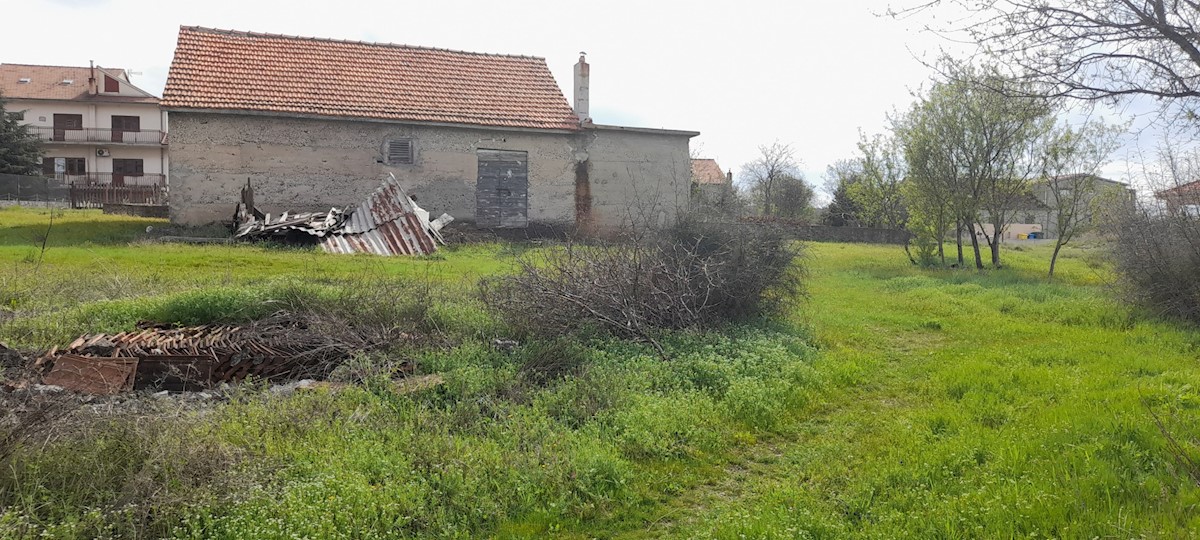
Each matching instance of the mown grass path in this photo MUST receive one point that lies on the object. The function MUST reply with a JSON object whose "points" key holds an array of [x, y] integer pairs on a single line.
{"points": [[967, 405]]}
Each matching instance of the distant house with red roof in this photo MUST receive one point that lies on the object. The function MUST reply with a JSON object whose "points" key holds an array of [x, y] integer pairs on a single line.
{"points": [[95, 125], [1184, 197], [710, 185], [706, 172], [489, 138]]}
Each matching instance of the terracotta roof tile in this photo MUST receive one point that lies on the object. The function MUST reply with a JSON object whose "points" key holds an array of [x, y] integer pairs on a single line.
{"points": [[706, 171], [1189, 189], [229, 70], [46, 82]]}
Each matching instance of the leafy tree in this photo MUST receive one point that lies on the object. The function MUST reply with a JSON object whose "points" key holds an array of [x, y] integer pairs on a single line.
{"points": [[793, 198], [842, 211], [936, 195], [20, 150], [975, 144], [878, 192]]}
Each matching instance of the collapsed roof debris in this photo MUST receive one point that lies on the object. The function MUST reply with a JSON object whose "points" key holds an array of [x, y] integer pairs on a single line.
{"points": [[388, 222], [282, 347]]}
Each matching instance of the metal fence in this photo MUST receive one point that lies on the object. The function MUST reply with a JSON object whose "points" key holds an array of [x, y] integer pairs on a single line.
{"points": [[96, 196], [32, 189], [99, 135]]}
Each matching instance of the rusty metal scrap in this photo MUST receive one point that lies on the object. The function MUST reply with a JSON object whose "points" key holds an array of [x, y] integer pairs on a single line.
{"points": [[92, 375], [193, 357], [388, 222]]}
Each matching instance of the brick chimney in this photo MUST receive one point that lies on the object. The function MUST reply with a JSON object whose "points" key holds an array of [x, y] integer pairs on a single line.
{"points": [[93, 87], [582, 81]]}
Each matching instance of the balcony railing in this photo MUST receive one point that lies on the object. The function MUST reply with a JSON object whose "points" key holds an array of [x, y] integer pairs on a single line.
{"points": [[112, 179], [99, 135]]}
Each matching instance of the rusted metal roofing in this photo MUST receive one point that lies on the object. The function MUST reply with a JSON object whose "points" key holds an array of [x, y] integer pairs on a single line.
{"points": [[387, 223], [91, 375]]}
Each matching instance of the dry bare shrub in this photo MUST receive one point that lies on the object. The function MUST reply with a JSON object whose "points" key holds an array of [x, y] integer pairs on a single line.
{"points": [[693, 275], [1157, 254]]}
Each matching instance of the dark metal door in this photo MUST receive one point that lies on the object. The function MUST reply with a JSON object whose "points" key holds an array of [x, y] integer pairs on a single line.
{"points": [[122, 124], [125, 167], [66, 122], [502, 189]]}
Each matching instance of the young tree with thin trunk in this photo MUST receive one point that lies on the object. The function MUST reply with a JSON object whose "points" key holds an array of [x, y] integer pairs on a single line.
{"points": [[930, 189], [878, 192], [1071, 160], [980, 143]]}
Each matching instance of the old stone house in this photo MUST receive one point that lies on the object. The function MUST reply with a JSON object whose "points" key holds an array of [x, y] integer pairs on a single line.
{"points": [[489, 138]]}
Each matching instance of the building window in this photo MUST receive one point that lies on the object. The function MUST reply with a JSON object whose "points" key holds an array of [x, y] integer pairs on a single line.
{"points": [[399, 152], [123, 168], [125, 124], [111, 84], [52, 166], [16, 116]]}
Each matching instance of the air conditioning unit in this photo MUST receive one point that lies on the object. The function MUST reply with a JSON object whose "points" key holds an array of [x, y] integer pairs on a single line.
{"points": [[103, 152]]}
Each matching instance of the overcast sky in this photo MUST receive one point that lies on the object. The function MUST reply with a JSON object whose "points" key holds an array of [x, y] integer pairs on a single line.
{"points": [[746, 73]]}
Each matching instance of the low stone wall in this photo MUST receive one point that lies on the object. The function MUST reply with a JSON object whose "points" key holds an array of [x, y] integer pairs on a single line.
{"points": [[139, 210], [860, 235], [824, 233]]}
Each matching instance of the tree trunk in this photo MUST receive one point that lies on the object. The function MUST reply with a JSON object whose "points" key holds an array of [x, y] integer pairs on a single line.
{"points": [[995, 242], [975, 247], [1054, 258], [958, 234]]}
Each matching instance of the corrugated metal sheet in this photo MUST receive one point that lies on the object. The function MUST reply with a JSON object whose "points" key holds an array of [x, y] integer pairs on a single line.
{"points": [[387, 223]]}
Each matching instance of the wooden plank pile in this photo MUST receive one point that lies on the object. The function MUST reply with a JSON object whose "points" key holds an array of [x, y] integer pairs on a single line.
{"points": [[281, 347]]}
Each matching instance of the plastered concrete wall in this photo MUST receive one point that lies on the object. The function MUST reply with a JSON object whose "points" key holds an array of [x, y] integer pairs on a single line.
{"points": [[153, 157], [95, 114], [637, 178], [298, 164]]}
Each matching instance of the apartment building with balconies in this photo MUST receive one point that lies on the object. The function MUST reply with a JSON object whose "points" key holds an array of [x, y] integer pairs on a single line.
{"points": [[96, 126]]}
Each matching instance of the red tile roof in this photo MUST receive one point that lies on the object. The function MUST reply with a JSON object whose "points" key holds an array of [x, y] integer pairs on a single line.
{"points": [[246, 71], [46, 82], [706, 171], [1189, 189]]}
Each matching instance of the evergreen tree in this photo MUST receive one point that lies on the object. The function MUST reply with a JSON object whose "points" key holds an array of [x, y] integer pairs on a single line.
{"points": [[20, 150], [843, 211]]}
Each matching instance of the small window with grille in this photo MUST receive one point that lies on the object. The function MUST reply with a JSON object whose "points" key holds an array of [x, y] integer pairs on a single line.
{"points": [[399, 152]]}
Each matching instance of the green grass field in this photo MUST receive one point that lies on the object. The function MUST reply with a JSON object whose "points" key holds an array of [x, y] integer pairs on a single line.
{"points": [[890, 402]]}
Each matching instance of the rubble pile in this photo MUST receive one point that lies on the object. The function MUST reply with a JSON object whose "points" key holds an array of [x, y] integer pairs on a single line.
{"points": [[388, 222], [281, 347]]}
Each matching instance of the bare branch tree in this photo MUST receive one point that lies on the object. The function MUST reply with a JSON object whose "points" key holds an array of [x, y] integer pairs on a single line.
{"points": [[775, 163], [1086, 49]]}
